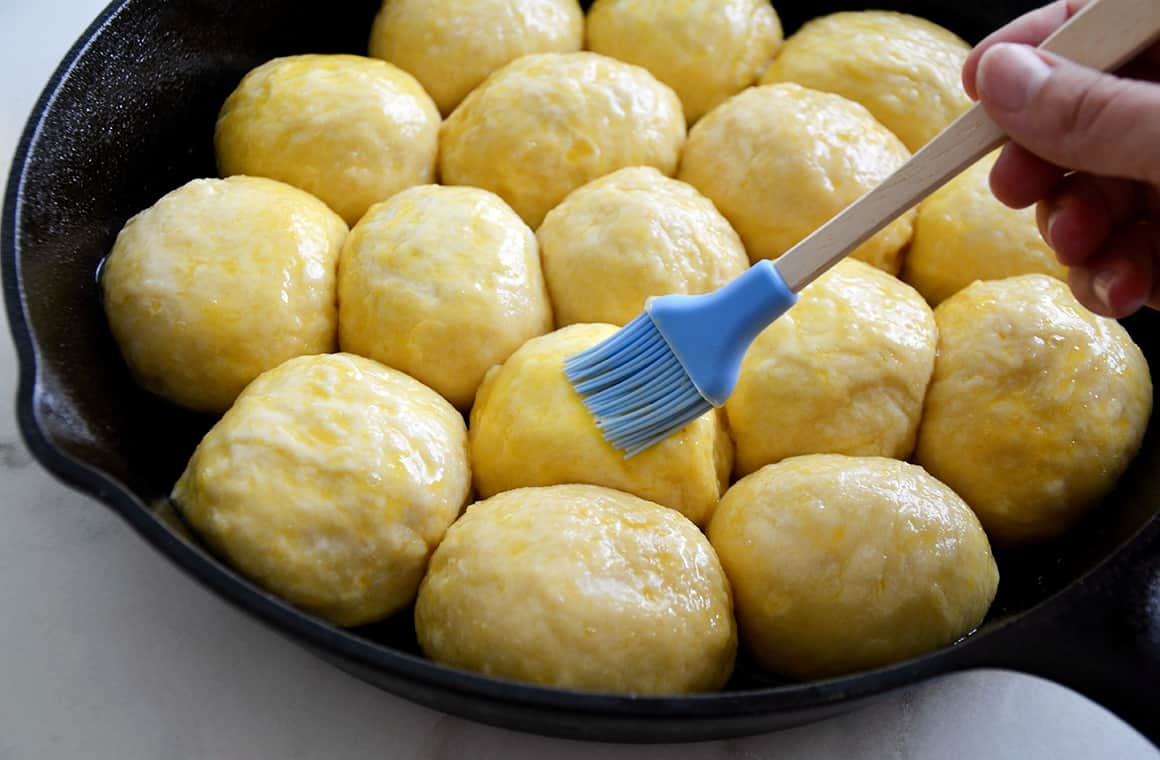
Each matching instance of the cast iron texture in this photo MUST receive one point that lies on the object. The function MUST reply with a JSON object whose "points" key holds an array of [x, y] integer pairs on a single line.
{"points": [[129, 116]]}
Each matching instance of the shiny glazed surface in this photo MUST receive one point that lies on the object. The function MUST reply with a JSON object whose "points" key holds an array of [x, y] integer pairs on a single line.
{"points": [[843, 563], [441, 283], [546, 124], [350, 130], [906, 70], [451, 46], [529, 428], [219, 281], [962, 233], [579, 587], [779, 161], [706, 50], [844, 371], [1036, 407], [329, 482], [627, 236]]}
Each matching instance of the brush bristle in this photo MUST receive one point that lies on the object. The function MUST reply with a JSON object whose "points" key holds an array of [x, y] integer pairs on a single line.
{"points": [[635, 387]]}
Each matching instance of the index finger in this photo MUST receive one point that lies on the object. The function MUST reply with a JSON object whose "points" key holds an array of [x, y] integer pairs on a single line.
{"points": [[1029, 29]]}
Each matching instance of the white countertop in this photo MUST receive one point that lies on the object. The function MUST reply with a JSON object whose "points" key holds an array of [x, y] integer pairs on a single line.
{"points": [[107, 651]]}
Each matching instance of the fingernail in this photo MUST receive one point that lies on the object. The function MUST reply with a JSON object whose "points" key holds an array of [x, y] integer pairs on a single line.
{"points": [[1102, 284], [1010, 75], [1052, 218]]}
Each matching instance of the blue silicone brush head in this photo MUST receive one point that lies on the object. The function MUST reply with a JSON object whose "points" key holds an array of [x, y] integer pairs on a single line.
{"points": [[677, 360]]}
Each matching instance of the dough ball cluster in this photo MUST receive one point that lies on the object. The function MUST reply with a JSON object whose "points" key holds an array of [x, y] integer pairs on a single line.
{"points": [[378, 302]]}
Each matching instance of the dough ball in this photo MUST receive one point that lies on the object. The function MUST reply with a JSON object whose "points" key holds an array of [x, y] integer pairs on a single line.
{"points": [[1036, 407], [779, 161], [351, 130], [451, 46], [219, 281], [441, 283], [329, 483], [962, 234], [706, 50], [530, 428], [906, 70], [579, 587], [546, 124], [840, 564], [844, 371], [633, 234]]}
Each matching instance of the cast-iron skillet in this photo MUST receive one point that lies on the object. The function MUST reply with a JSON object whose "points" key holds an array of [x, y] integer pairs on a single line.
{"points": [[129, 115]]}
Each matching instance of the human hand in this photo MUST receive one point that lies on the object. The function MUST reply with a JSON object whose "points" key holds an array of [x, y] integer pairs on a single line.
{"points": [[1085, 147]]}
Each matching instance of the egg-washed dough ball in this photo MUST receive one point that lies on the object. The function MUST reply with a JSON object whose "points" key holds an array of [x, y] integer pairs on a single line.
{"points": [[451, 46], [839, 564], [351, 130], [529, 427], [706, 50], [844, 371], [579, 587], [906, 70], [1036, 407], [442, 283], [779, 161], [633, 234], [219, 281], [546, 124], [329, 483], [962, 233]]}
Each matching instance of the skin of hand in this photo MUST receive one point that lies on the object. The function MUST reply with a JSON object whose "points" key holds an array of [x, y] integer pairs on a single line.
{"points": [[1085, 147]]}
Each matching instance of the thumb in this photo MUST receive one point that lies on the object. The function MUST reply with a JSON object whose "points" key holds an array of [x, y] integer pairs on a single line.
{"points": [[1073, 116]]}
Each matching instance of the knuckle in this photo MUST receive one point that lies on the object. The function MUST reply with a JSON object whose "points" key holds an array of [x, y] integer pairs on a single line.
{"points": [[1087, 117]]}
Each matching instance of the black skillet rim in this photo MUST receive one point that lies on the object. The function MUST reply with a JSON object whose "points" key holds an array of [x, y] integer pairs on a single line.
{"points": [[318, 634]]}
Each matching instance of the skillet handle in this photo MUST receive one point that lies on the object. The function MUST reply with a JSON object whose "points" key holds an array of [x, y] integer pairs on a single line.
{"points": [[1100, 637]]}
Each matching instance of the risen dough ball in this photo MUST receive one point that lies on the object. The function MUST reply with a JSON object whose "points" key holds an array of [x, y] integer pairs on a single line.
{"points": [[630, 235], [706, 50], [441, 283], [546, 124], [579, 587], [1036, 406], [530, 428], [840, 564], [962, 234], [906, 70], [779, 161], [219, 281], [450, 46], [351, 130], [328, 483], [844, 371]]}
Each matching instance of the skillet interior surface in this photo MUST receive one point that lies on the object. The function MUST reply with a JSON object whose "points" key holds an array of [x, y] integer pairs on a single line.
{"points": [[129, 117]]}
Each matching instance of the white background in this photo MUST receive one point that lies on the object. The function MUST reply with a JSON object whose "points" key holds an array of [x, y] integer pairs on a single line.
{"points": [[108, 652]]}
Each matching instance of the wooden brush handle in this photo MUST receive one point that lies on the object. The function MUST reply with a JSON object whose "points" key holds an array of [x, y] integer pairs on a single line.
{"points": [[1103, 35]]}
